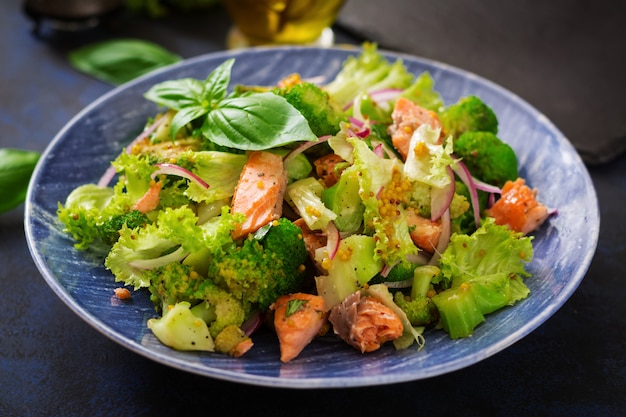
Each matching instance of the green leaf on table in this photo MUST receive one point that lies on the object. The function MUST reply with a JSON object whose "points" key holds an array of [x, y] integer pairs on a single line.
{"points": [[16, 167], [121, 60]]}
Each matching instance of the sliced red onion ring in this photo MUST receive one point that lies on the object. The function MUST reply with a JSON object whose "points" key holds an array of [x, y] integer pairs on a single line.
{"points": [[303, 147], [354, 121], [483, 186], [386, 269], [173, 169], [444, 238], [333, 239], [363, 133], [108, 175], [461, 170], [379, 151], [176, 256], [252, 323], [442, 197], [419, 258], [407, 283], [386, 94]]}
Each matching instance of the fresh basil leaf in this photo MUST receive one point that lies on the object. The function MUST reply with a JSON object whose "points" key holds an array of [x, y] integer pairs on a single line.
{"points": [[216, 84], [184, 116], [256, 122], [177, 94], [120, 60], [16, 167], [294, 305]]}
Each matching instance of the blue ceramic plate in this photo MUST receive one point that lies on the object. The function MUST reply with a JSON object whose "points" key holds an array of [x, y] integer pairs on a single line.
{"points": [[81, 152]]}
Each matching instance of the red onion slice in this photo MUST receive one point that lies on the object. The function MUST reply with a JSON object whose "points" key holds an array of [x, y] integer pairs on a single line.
{"points": [[252, 323], [379, 151], [461, 170], [173, 169], [483, 186], [407, 283], [333, 239], [303, 147], [108, 175], [386, 94], [444, 238], [442, 197]]}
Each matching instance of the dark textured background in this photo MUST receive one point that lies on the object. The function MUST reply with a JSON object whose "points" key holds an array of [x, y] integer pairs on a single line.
{"points": [[565, 58]]}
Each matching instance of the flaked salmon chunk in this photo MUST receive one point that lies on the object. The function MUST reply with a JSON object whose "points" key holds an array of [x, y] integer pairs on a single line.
{"points": [[365, 323], [260, 191]]}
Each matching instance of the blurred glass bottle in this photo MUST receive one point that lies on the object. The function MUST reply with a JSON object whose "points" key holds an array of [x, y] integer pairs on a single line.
{"points": [[275, 22]]}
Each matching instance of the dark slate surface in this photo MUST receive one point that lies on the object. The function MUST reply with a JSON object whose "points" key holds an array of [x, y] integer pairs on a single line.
{"points": [[54, 364]]}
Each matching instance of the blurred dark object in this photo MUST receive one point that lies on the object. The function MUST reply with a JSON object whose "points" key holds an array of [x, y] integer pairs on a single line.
{"points": [[70, 15]]}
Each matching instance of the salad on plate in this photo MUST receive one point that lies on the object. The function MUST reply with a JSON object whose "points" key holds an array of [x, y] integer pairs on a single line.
{"points": [[363, 208]]}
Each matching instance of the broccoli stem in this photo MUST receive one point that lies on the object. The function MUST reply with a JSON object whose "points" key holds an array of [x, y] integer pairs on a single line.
{"points": [[459, 311], [422, 277]]}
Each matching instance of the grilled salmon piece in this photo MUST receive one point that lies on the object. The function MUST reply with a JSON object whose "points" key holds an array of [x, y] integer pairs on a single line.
{"points": [[325, 168], [407, 117], [312, 240], [365, 323], [260, 191], [518, 207], [424, 232], [150, 200], [298, 319]]}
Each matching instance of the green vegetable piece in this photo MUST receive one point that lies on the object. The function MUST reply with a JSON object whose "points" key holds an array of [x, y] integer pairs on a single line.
{"points": [[293, 306], [121, 60], [420, 310], [322, 113], [344, 199], [423, 276], [484, 272], [180, 329], [16, 167], [355, 259], [458, 311], [258, 271], [423, 93], [469, 114], [487, 157], [369, 71], [256, 122]]}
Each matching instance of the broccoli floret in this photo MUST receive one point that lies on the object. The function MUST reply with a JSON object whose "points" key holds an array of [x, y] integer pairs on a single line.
{"points": [[266, 265], [316, 105], [176, 282], [469, 114], [421, 311], [418, 306], [171, 284], [233, 341], [110, 230], [487, 157]]}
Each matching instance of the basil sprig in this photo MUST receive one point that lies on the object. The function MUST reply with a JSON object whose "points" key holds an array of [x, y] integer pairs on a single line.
{"points": [[16, 167], [255, 121]]}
